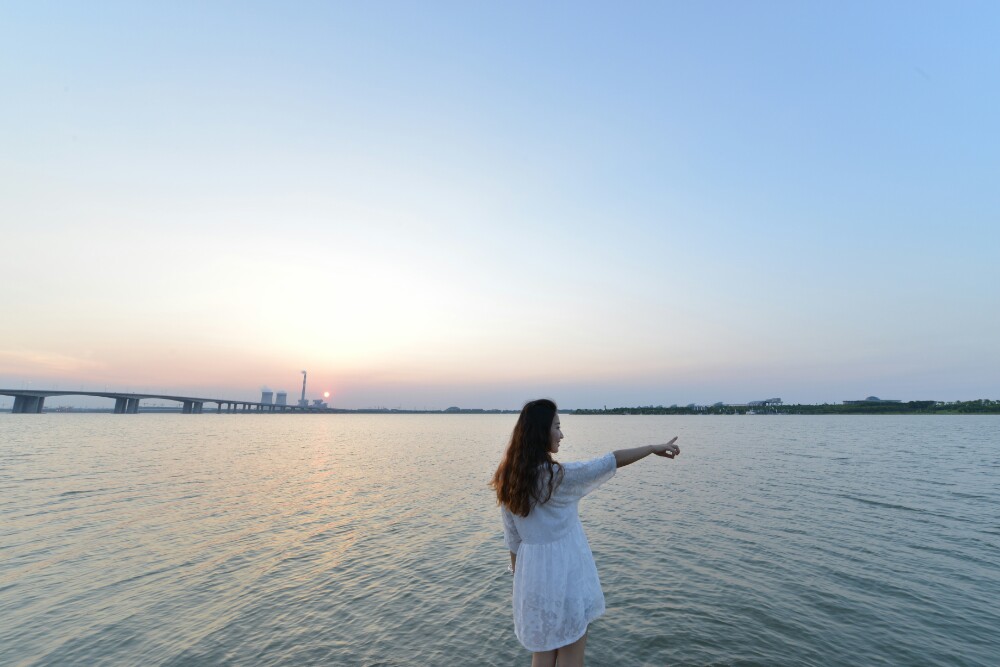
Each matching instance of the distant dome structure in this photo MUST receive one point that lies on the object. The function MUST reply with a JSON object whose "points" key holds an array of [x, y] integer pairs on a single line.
{"points": [[873, 399]]}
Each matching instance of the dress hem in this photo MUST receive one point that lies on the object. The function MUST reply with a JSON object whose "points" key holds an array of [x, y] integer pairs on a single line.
{"points": [[552, 648]]}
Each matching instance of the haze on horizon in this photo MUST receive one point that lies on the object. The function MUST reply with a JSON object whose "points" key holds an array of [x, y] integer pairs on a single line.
{"points": [[439, 204]]}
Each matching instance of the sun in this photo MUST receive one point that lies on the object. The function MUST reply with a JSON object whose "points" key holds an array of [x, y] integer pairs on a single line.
{"points": [[326, 394]]}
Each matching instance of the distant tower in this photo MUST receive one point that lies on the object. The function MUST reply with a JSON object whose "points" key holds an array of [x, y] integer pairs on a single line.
{"points": [[302, 401], [265, 396], [282, 398]]}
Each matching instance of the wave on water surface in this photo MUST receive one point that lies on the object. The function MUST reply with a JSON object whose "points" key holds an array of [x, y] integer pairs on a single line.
{"points": [[375, 540]]}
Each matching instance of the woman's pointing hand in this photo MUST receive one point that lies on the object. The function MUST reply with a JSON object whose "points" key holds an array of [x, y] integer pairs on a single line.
{"points": [[669, 450]]}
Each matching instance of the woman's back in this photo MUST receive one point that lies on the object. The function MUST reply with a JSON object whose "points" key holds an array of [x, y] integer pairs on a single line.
{"points": [[553, 519]]}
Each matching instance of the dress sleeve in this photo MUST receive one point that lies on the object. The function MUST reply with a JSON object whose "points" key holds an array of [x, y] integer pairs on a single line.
{"points": [[582, 477], [510, 535]]}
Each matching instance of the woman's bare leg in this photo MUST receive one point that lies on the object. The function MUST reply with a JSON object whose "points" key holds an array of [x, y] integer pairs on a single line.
{"points": [[571, 655], [543, 659]]}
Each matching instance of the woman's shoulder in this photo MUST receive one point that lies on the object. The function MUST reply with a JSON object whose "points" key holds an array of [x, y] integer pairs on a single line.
{"points": [[582, 477], [586, 464]]}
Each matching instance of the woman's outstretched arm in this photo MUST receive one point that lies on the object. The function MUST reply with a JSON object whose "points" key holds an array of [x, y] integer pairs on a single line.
{"points": [[623, 457]]}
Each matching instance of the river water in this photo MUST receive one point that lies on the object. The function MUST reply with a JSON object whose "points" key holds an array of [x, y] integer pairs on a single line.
{"points": [[374, 540]]}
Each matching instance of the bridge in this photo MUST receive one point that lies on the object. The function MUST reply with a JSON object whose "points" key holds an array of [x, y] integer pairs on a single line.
{"points": [[31, 401]]}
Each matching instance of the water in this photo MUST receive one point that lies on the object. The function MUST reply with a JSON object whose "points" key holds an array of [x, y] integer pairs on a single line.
{"points": [[374, 540]]}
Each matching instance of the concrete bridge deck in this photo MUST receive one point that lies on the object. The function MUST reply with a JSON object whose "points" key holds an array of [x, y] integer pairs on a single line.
{"points": [[33, 401]]}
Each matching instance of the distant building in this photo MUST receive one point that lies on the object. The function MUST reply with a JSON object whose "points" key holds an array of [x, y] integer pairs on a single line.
{"points": [[282, 398], [318, 403], [266, 396], [453, 409], [765, 402], [872, 399]]}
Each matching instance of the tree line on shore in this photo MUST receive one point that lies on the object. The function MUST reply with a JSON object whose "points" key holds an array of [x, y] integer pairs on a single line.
{"points": [[979, 406]]}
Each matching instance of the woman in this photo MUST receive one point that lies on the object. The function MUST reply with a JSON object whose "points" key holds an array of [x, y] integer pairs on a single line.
{"points": [[556, 589]]}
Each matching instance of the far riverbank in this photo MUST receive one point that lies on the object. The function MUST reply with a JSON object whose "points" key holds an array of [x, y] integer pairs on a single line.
{"points": [[977, 407]]}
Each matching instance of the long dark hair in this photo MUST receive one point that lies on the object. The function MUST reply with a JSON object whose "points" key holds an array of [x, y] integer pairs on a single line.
{"points": [[517, 480]]}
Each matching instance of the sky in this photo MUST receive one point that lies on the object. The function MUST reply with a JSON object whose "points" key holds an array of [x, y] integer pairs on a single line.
{"points": [[475, 204]]}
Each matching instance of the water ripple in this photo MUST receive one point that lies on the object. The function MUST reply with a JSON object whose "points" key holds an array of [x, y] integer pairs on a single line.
{"points": [[373, 540]]}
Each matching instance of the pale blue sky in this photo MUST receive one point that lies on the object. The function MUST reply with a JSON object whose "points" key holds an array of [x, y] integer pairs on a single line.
{"points": [[433, 204]]}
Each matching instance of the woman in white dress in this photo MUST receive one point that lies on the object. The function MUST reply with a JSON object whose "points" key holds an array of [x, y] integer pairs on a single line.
{"points": [[557, 593]]}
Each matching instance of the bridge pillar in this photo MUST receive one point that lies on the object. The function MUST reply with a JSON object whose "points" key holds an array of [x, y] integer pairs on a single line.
{"points": [[120, 405], [25, 405], [132, 406], [187, 407], [198, 407], [218, 408]]}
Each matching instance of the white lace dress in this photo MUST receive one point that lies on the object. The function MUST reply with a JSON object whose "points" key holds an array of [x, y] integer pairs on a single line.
{"points": [[556, 589]]}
